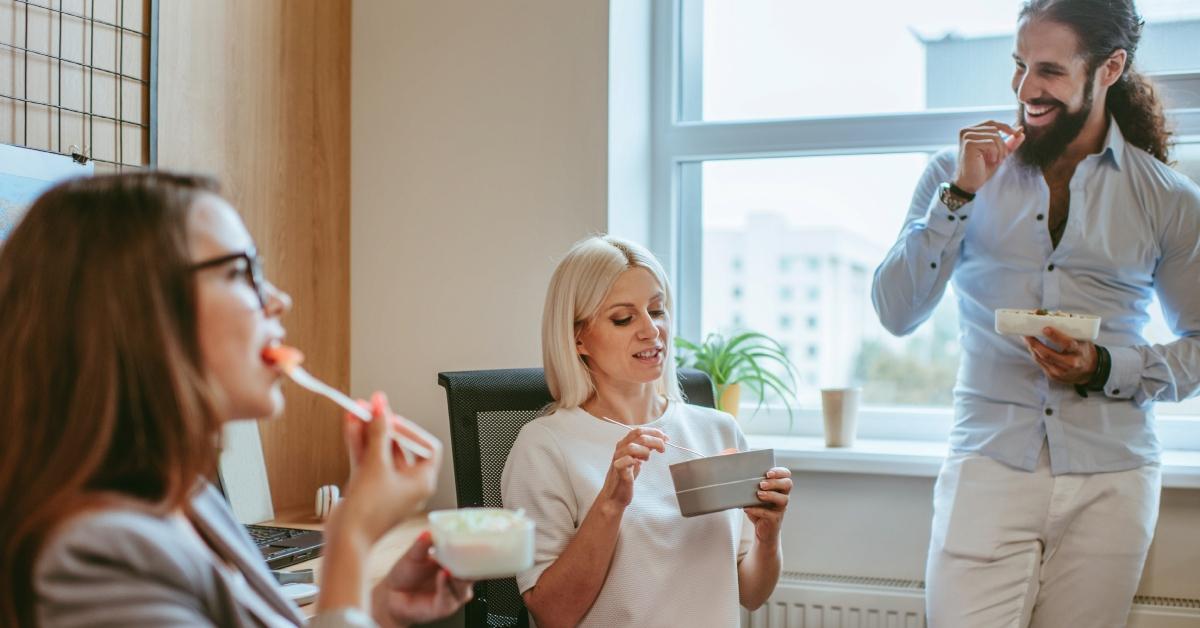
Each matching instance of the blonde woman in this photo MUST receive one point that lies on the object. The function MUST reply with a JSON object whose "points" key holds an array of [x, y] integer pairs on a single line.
{"points": [[611, 544]]}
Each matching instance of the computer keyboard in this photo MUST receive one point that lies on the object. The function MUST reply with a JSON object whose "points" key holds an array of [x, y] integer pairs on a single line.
{"points": [[266, 535], [281, 547]]}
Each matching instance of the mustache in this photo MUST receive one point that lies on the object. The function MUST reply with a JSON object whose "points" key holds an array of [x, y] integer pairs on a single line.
{"points": [[1042, 102]]}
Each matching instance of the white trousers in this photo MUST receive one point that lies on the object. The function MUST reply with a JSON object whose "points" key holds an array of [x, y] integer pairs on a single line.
{"points": [[1014, 548]]}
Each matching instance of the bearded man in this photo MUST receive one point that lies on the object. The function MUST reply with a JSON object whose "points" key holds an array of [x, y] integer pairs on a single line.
{"points": [[1046, 506]]}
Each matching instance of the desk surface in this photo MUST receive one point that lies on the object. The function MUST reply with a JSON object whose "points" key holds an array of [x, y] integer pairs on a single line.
{"points": [[383, 554]]}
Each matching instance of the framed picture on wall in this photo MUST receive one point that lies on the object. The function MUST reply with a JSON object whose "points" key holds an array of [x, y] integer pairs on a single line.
{"points": [[26, 173]]}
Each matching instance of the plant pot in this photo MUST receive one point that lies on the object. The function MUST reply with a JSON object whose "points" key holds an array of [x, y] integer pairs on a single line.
{"points": [[728, 397]]}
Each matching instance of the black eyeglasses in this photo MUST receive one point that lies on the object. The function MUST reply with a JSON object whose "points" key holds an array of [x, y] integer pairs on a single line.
{"points": [[253, 267]]}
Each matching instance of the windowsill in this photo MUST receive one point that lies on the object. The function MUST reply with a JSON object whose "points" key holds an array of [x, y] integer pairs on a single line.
{"points": [[1181, 469]]}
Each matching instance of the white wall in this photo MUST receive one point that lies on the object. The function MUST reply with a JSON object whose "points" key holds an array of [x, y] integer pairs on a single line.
{"points": [[478, 144]]}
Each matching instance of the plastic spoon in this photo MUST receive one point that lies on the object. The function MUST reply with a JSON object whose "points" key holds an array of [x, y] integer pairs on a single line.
{"points": [[289, 358]]}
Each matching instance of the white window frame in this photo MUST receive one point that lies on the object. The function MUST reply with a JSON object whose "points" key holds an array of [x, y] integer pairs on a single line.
{"points": [[681, 142]]}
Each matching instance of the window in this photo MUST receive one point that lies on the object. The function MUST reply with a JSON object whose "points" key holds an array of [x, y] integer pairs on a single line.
{"points": [[773, 118], [785, 293], [854, 347], [940, 55]]}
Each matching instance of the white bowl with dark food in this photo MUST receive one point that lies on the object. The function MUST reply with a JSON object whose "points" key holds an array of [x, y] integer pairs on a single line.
{"points": [[1031, 323], [717, 483], [482, 543]]}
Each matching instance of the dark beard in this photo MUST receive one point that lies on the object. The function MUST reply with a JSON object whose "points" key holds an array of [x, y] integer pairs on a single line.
{"points": [[1043, 146]]}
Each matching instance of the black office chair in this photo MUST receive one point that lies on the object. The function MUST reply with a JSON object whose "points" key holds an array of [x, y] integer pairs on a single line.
{"points": [[487, 410]]}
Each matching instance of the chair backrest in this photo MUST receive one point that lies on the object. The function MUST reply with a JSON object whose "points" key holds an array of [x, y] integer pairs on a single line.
{"points": [[487, 410]]}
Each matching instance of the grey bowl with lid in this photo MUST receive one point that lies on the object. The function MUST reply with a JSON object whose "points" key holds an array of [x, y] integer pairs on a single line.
{"points": [[717, 483]]}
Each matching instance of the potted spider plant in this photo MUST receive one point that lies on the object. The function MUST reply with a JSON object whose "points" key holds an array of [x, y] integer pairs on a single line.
{"points": [[746, 358]]}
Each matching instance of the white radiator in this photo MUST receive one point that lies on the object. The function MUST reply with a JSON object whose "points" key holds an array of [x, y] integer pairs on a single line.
{"points": [[805, 600]]}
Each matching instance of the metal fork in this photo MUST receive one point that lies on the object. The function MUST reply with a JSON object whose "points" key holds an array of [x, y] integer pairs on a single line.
{"points": [[668, 443]]}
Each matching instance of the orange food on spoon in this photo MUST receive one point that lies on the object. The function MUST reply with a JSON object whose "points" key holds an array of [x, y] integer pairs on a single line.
{"points": [[286, 357], [726, 452]]}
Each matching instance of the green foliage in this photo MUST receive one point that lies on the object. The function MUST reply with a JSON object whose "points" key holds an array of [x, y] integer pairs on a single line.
{"points": [[917, 377], [746, 358], [921, 372]]}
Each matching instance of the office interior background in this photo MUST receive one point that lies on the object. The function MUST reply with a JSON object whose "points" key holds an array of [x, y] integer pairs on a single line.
{"points": [[414, 170]]}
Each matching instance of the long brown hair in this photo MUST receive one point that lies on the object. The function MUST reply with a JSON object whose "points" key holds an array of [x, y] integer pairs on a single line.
{"points": [[103, 395], [1103, 27]]}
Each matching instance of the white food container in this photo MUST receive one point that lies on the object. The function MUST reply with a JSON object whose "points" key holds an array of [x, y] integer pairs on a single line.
{"points": [[1030, 323], [482, 543]]}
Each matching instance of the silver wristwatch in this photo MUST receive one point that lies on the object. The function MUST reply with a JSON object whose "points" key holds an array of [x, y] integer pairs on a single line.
{"points": [[951, 198]]}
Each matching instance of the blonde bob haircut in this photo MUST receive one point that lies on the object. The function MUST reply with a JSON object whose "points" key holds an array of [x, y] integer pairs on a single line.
{"points": [[577, 290]]}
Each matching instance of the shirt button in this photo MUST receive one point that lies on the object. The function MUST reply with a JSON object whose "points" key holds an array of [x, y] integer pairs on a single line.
{"points": [[1041, 217], [1050, 267], [933, 264], [1049, 412]]}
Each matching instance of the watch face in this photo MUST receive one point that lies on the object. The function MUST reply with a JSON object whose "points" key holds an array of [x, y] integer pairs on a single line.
{"points": [[946, 197], [951, 200]]}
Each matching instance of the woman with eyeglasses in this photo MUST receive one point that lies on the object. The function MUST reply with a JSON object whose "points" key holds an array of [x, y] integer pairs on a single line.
{"points": [[133, 322]]}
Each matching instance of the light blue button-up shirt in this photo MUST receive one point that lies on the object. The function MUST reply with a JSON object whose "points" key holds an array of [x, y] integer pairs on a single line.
{"points": [[1133, 230]]}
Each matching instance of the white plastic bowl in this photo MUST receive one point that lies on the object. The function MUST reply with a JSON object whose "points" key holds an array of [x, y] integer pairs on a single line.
{"points": [[1030, 323], [482, 543]]}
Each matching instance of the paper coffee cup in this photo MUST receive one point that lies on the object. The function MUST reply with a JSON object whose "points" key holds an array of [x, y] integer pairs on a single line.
{"points": [[839, 406]]}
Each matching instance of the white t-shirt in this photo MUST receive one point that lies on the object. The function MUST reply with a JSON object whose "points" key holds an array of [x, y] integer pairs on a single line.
{"points": [[666, 570]]}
